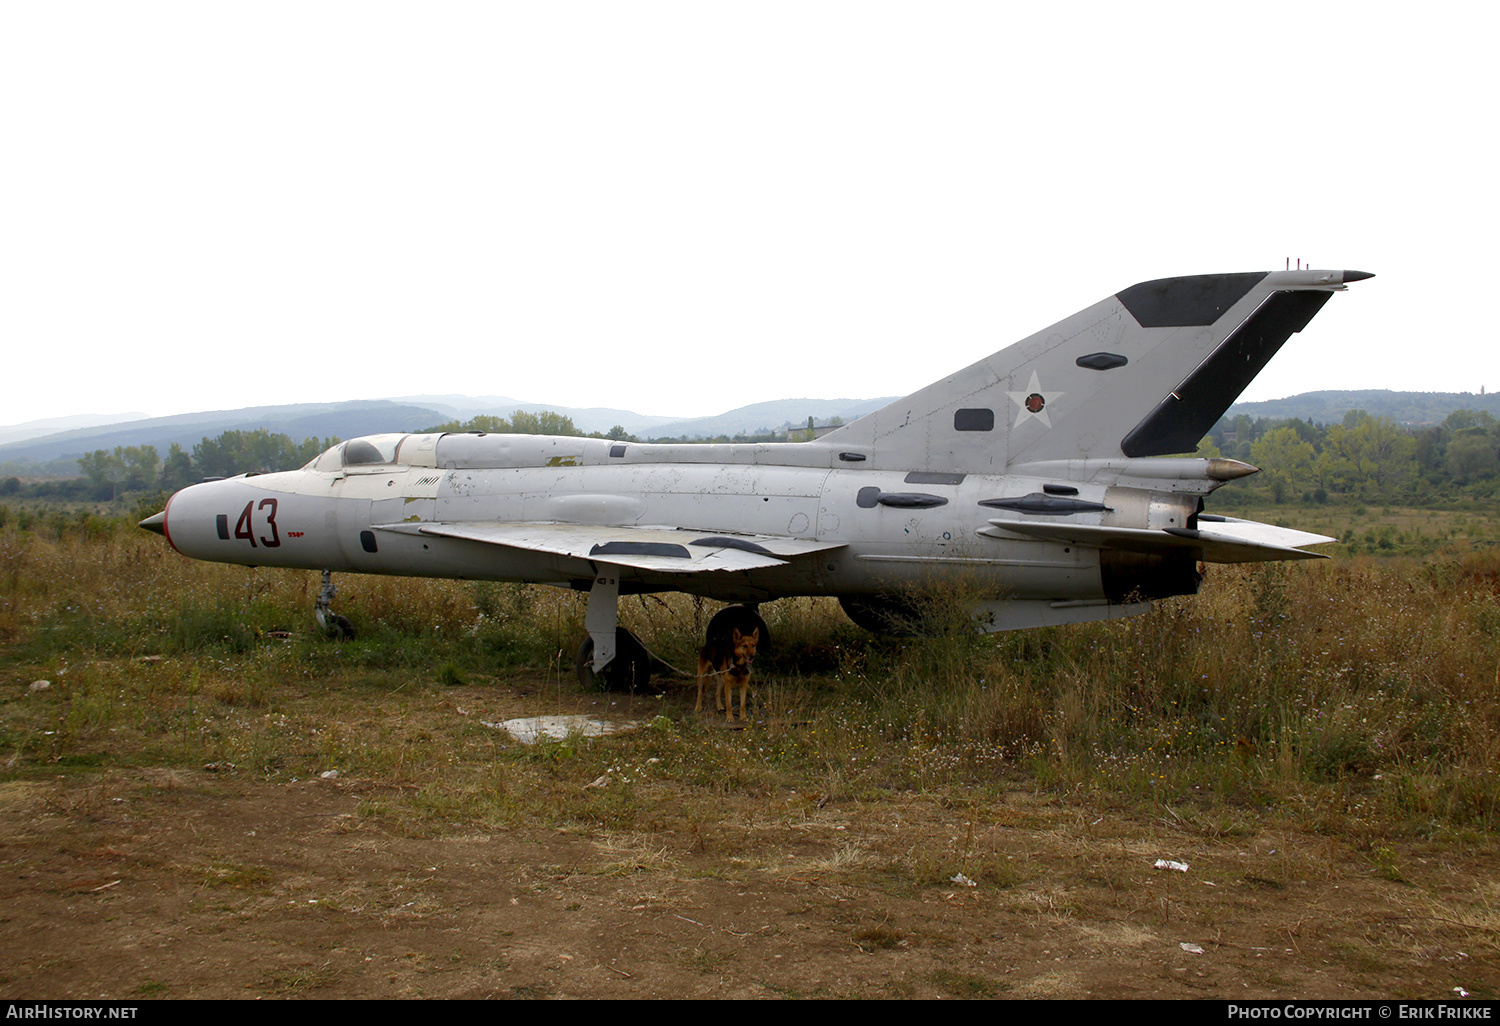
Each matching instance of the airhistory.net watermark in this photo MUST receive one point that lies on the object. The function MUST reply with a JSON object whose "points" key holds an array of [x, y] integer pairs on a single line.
{"points": [[45, 1010]]}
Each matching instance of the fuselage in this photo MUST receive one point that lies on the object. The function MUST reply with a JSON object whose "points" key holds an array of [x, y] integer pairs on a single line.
{"points": [[1041, 484], [886, 530]]}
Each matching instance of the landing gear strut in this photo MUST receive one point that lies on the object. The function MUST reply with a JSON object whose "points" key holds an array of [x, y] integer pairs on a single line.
{"points": [[629, 670], [613, 659], [610, 658], [331, 623]]}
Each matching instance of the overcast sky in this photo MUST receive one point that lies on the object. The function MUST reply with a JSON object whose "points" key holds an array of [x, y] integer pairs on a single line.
{"points": [[681, 208]]}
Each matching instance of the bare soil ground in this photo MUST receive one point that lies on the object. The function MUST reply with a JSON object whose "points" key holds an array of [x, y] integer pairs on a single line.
{"points": [[170, 883]]}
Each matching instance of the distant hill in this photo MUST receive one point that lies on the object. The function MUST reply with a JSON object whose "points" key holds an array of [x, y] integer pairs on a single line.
{"points": [[302, 420], [54, 425], [1402, 407], [365, 417], [586, 419], [760, 417], [413, 413], [752, 419]]}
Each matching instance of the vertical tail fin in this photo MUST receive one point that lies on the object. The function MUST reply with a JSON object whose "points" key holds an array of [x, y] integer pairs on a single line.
{"points": [[1146, 372]]}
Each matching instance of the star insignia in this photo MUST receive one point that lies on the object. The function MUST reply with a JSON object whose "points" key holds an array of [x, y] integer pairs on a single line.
{"points": [[1033, 402]]}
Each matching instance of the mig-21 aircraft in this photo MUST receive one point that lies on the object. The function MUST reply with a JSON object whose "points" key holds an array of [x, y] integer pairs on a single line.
{"points": [[1045, 477]]}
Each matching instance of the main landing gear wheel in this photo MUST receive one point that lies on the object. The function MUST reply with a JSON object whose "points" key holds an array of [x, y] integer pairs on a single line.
{"points": [[724, 622], [629, 670], [894, 617]]}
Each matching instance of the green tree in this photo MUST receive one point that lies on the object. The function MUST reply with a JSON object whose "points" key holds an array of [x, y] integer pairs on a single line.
{"points": [[544, 422], [1460, 420], [484, 422], [312, 447], [1472, 456], [1367, 453], [141, 465], [1285, 458], [104, 469], [240, 452], [217, 457], [178, 470]]}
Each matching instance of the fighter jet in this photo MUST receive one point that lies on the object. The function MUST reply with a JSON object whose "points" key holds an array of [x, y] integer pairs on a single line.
{"points": [[1044, 477]]}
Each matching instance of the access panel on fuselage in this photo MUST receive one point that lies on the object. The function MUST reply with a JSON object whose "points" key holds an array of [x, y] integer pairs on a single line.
{"points": [[696, 497], [920, 529]]}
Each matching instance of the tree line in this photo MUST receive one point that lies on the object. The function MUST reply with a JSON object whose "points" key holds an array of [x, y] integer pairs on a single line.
{"points": [[138, 468], [108, 474], [546, 422], [1365, 457], [520, 422]]}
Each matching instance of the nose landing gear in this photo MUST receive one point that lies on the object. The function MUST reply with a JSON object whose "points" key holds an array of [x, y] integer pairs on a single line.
{"points": [[332, 624]]}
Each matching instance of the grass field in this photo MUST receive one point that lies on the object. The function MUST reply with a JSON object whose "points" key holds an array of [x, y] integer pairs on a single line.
{"points": [[1279, 684], [1352, 699]]}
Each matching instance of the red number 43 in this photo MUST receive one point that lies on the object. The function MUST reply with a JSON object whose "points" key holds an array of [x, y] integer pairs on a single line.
{"points": [[244, 529]]}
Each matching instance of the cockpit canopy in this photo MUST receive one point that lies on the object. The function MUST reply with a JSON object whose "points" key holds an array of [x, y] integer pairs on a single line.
{"points": [[360, 451], [393, 449], [471, 450]]}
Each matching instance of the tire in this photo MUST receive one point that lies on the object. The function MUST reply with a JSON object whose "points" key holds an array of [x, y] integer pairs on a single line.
{"points": [[629, 670], [894, 617], [339, 627], [726, 620]]}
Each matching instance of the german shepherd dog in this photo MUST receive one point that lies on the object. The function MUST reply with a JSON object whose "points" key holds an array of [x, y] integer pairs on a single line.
{"points": [[727, 661]]}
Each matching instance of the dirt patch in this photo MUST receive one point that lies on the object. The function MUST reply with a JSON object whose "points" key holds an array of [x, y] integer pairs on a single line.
{"points": [[181, 883]]}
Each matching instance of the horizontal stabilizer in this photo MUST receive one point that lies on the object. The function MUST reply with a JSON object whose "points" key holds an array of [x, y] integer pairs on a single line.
{"points": [[1216, 540], [645, 548]]}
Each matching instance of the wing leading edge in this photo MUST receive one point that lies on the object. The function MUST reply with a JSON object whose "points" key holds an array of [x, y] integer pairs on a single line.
{"points": [[661, 549]]}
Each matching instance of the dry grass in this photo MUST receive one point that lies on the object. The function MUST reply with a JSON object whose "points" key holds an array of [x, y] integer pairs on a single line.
{"points": [[1349, 693], [1317, 741]]}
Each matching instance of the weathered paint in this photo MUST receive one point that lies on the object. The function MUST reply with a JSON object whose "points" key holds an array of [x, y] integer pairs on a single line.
{"points": [[958, 480]]}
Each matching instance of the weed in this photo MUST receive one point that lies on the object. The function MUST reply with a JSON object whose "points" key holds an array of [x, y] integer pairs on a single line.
{"points": [[1354, 692], [300, 978], [966, 985], [1384, 859], [240, 877], [879, 937]]}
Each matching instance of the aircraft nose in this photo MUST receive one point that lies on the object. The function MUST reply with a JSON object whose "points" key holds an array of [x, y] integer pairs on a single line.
{"points": [[156, 524]]}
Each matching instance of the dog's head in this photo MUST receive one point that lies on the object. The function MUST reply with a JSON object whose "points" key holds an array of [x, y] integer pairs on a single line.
{"points": [[744, 646]]}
